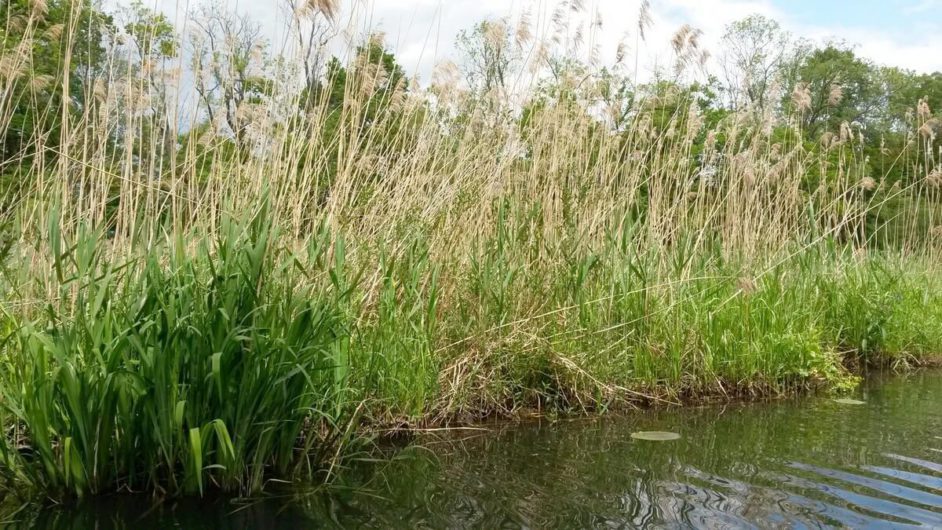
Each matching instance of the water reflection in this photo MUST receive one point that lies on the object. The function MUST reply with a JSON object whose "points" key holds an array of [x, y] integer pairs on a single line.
{"points": [[808, 463]]}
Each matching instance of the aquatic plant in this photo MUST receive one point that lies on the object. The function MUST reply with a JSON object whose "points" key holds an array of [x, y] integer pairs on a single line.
{"points": [[174, 371]]}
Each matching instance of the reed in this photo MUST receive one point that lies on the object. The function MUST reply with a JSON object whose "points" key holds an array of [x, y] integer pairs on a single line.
{"points": [[187, 308]]}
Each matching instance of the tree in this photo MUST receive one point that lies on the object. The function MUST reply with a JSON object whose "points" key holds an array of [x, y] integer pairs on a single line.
{"points": [[834, 86], [230, 66], [374, 81], [617, 97], [154, 44], [490, 57], [905, 112], [364, 109], [313, 27], [755, 53], [44, 79], [904, 89]]}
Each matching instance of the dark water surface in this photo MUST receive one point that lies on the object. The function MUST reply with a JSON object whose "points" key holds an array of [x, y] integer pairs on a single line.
{"points": [[801, 464]]}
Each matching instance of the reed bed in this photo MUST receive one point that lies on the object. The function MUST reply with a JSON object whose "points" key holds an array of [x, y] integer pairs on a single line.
{"points": [[191, 307]]}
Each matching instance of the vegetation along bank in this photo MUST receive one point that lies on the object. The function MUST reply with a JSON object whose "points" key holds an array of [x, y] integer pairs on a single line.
{"points": [[224, 263]]}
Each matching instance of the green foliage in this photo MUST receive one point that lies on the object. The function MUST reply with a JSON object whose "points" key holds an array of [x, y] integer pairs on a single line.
{"points": [[904, 89], [490, 58], [204, 370], [900, 218], [375, 77], [842, 87], [366, 98], [39, 42], [153, 33], [394, 359]]}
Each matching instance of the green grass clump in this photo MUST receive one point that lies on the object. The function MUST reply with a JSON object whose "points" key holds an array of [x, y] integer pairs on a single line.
{"points": [[886, 312], [613, 324], [176, 371]]}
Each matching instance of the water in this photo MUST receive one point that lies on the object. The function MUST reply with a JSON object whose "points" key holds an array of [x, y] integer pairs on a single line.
{"points": [[801, 464]]}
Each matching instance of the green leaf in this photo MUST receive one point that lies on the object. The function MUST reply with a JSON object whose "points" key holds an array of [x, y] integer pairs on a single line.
{"points": [[196, 451], [178, 411]]}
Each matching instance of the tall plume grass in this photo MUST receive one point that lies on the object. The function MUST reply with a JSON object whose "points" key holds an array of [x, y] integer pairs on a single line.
{"points": [[193, 307]]}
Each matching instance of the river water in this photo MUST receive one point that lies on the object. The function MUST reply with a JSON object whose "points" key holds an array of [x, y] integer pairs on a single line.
{"points": [[804, 463]]}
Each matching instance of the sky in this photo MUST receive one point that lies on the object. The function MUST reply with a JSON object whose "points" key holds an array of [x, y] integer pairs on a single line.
{"points": [[422, 32]]}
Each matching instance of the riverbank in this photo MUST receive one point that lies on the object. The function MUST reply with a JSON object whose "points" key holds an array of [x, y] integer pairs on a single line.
{"points": [[732, 461], [223, 362]]}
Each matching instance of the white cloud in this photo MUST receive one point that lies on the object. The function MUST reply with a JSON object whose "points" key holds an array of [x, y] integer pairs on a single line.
{"points": [[422, 32], [920, 52]]}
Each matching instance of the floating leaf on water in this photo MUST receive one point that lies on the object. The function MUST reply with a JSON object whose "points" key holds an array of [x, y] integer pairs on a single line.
{"points": [[655, 436], [848, 401]]}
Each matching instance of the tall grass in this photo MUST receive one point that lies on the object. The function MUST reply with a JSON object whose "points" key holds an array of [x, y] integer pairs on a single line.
{"points": [[181, 318], [173, 370]]}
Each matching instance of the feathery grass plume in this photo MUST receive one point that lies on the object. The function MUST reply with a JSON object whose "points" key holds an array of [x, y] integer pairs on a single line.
{"points": [[11, 68], [38, 8], [644, 18], [694, 123], [524, 32], [541, 57], [746, 285], [495, 32], [934, 178], [693, 38], [16, 23], [835, 94], [328, 8], [559, 18], [930, 129], [100, 90], [54, 32], [41, 83], [594, 55], [846, 133], [923, 112], [445, 75], [578, 38], [704, 58], [620, 52], [398, 97], [681, 37], [686, 45], [867, 184], [801, 97]]}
